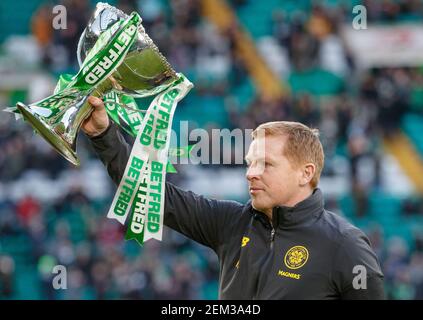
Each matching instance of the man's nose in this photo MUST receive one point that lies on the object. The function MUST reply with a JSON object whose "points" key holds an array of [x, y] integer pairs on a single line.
{"points": [[254, 171]]}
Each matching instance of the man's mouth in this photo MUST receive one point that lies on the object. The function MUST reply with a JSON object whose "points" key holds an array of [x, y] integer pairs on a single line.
{"points": [[255, 190]]}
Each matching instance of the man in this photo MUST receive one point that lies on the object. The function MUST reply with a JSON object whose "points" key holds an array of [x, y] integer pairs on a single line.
{"points": [[280, 245]]}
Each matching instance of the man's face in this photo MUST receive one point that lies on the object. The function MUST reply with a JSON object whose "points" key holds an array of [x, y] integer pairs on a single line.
{"points": [[272, 180]]}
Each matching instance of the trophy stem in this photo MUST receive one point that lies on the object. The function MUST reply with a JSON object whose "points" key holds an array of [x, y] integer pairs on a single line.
{"points": [[61, 129]]}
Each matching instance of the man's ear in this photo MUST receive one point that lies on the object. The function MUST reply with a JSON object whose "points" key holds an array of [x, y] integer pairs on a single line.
{"points": [[307, 173]]}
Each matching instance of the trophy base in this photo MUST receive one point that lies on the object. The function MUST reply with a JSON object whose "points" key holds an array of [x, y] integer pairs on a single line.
{"points": [[48, 134]]}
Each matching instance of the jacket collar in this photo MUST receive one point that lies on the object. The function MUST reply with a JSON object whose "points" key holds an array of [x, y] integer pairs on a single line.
{"points": [[289, 216]]}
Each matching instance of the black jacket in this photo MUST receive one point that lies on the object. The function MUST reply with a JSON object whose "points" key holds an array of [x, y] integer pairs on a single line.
{"points": [[309, 253]]}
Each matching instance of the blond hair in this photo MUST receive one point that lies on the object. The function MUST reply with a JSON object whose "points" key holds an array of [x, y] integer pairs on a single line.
{"points": [[302, 144]]}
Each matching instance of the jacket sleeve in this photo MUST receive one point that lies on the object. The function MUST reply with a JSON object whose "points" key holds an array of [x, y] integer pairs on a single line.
{"points": [[357, 273], [113, 151], [199, 218]]}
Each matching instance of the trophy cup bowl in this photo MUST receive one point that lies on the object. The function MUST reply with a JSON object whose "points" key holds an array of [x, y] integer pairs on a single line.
{"points": [[143, 72]]}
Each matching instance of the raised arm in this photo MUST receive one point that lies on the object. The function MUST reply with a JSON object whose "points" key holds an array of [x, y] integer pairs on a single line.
{"points": [[204, 220]]}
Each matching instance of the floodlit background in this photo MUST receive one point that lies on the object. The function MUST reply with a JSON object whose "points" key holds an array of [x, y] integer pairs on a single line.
{"points": [[251, 61]]}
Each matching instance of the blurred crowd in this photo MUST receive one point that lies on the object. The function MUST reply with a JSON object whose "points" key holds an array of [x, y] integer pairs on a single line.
{"points": [[362, 110], [99, 263], [402, 266]]}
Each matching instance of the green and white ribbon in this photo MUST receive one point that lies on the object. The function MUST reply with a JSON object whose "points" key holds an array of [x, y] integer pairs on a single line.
{"points": [[143, 183], [106, 58], [124, 110]]}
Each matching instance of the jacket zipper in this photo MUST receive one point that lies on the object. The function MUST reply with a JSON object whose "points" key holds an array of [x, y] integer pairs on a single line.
{"points": [[272, 235], [272, 238], [272, 241]]}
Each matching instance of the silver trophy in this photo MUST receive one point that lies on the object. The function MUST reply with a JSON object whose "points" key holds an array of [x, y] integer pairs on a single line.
{"points": [[143, 72]]}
